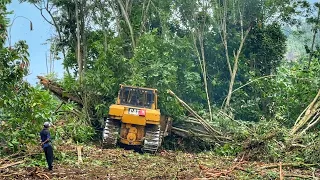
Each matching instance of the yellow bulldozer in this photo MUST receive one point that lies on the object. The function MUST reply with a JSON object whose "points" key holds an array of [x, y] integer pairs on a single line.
{"points": [[136, 120]]}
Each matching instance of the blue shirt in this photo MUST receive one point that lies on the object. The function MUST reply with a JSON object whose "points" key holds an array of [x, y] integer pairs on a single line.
{"points": [[45, 134]]}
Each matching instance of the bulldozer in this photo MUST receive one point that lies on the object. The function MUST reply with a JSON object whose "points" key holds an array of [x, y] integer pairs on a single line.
{"points": [[135, 120]]}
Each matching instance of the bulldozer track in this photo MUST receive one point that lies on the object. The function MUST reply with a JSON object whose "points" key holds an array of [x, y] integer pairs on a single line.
{"points": [[152, 139], [111, 132]]}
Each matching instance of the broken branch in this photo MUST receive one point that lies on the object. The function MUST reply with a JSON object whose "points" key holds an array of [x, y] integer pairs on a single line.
{"points": [[11, 164]]}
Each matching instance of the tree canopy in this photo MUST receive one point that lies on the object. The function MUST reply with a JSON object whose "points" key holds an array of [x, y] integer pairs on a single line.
{"points": [[228, 56]]}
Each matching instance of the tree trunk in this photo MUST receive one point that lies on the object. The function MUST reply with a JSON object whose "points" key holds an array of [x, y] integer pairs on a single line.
{"points": [[204, 73], [83, 39], [78, 52], [236, 59], [126, 17], [224, 36], [116, 16], [313, 38], [104, 29], [235, 68]]}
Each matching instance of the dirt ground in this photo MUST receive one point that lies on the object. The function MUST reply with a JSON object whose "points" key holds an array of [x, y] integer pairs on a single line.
{"points": [[123, 164]]}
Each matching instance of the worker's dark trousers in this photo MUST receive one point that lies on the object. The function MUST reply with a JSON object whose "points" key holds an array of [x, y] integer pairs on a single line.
{"points": [[49, 155]]}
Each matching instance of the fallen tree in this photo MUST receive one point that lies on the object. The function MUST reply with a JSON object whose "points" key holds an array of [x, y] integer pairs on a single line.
{"points": [[197, 126], [309, 118], [58, 91]]}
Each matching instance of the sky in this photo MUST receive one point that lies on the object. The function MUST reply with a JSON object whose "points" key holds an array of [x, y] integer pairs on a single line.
{"points": [[36, 39]]}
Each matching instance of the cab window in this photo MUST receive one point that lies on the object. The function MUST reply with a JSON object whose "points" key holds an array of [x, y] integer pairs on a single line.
{"points": [[136, 97]]}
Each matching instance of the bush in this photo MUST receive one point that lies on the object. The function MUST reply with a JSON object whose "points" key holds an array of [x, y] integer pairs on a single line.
{"points": [[72, 128], [24, 115]]}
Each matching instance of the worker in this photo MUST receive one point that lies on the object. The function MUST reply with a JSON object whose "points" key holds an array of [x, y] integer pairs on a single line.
{"points": [[45, 144]]}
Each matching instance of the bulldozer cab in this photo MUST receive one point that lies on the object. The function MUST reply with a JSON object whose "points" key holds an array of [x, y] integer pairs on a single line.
{"points": [[136, 120], [137, 97]]}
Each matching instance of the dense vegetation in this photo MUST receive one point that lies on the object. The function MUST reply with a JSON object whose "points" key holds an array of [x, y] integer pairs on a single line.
{"points": [[244, 58]]}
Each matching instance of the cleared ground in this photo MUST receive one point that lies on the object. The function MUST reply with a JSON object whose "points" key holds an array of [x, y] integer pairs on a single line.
{"points": [[126, 164]]}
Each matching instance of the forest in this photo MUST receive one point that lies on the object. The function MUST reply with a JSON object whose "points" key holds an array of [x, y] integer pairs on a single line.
{"points": [[240, 80]]}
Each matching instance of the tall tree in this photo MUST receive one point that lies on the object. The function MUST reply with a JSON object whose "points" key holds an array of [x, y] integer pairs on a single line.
{"points": [[238, 10], [315, 22]]}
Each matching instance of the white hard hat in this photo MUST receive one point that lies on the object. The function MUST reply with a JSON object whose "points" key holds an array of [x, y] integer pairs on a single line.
{"points": [[47, 124]]}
